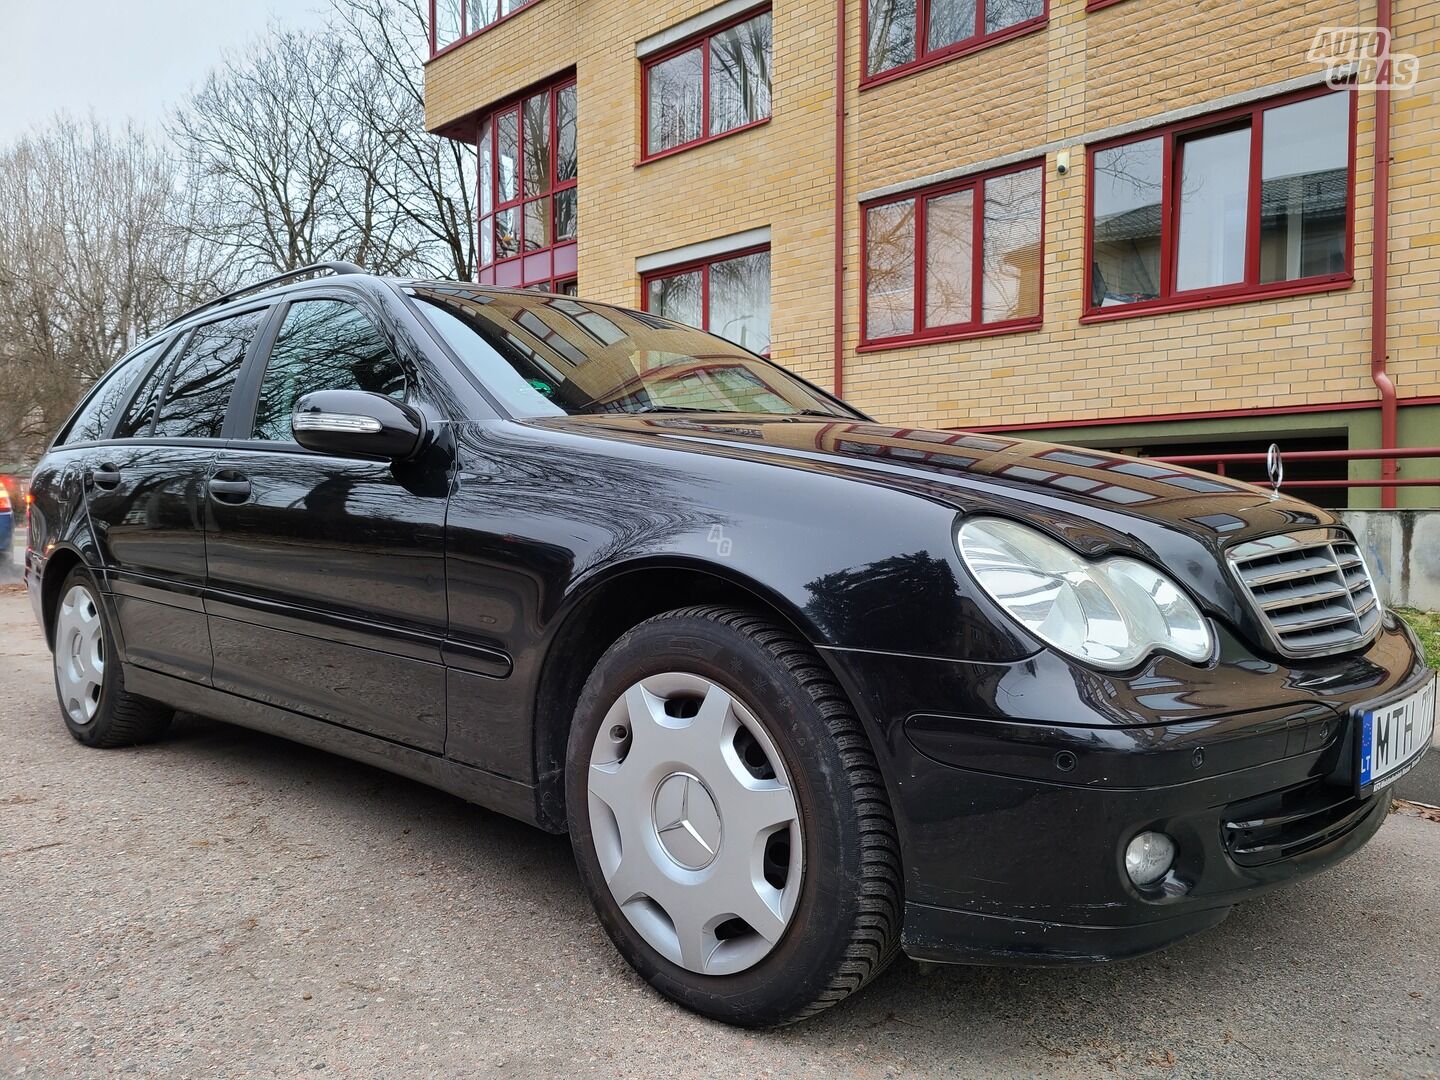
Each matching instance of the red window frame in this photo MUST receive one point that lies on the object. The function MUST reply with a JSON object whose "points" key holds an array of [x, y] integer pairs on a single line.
{"points": [[466, 33], [921, 334], [554, 265], [1251, 288], [701, 41], [1096, 5], [928, 58], [702, 265]]}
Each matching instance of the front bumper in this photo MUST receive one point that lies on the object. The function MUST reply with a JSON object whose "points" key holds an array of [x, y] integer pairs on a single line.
{"points": [[1015, 798]]}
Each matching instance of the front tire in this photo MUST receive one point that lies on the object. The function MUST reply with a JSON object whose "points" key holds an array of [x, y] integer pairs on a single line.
{"points": [[729, 819], [97, 709]]}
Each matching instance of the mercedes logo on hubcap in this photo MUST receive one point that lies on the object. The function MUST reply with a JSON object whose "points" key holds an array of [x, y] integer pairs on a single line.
{"points": [[687, 821]]}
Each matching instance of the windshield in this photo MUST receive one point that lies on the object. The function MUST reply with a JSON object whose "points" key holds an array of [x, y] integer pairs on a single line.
{"points": [[545, 355]]}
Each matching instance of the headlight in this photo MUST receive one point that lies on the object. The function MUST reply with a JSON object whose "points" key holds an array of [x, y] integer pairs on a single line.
{"points": [[1112, 613]]}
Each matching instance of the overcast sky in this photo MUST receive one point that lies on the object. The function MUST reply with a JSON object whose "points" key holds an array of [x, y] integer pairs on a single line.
{"points": [[120, 58]]}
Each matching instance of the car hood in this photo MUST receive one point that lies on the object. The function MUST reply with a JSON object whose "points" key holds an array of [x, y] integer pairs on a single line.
{"points": [[1098, 500]]}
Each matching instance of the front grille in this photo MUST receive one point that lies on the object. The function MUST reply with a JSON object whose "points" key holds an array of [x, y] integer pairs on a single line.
{"points": [[1284, 824], [1311, 590]]}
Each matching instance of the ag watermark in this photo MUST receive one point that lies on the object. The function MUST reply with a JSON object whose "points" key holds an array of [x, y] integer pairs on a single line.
{"points": [[723, 544], [1359, 53]]}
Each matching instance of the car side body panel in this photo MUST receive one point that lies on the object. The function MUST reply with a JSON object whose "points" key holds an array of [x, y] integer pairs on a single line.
{"points": [[60, 526], [1016, 774], [539, 518], [150, 535]]}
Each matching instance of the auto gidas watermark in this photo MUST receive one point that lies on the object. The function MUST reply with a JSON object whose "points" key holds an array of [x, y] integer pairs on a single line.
{"points": [[1359, 54]]}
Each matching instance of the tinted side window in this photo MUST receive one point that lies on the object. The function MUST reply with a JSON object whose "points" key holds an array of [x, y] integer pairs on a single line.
{"points": [[141, 413], [323, 345], [199, 390], [114, 387]]}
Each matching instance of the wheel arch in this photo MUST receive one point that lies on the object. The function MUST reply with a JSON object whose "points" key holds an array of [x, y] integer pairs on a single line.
{"points": [[58, 564], [596, 614]]}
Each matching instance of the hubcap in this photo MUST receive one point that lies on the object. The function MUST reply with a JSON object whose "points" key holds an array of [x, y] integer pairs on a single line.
{"points": [[79, 655], [687, 821], [695, 823]]}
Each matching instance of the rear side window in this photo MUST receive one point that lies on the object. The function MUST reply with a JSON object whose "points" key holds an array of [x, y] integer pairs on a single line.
{"points": [[93, 419], [141, 413], [199, 389], [323, 345]]}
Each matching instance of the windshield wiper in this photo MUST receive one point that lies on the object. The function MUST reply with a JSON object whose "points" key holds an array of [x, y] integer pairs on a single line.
{"points": [[667, 408]]}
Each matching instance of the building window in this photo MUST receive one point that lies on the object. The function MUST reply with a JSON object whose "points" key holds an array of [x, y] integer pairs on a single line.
{"points": [[708, 86], [1246, 203], [528, 192], [903, 34], [956, 260], [455, 20], [728, 296]]}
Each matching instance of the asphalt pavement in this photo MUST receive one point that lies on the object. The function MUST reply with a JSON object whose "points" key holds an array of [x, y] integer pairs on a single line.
{"points": [[225, 903], [10, 570]]}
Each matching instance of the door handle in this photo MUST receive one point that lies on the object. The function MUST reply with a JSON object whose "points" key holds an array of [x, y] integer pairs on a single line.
{"points": [[229, 487], [105, 476]]}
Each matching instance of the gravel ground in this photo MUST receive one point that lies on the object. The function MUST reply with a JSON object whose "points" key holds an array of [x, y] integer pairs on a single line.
{"points": [[227, 904]]}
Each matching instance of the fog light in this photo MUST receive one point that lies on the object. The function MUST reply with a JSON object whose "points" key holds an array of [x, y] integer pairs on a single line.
{"points": [[1148, 857]]}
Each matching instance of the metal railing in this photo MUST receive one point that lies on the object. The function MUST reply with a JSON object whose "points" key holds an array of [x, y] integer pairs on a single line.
{"points": [[1216, 463]]}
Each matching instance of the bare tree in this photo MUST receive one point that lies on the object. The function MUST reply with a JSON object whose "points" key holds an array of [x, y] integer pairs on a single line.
{"points": [[93, 256], [303, 147], [261, 144], [311, 146], [431, 180]]}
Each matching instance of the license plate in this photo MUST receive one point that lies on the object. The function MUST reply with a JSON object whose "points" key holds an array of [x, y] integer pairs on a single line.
{"points": [[1393, 736]]}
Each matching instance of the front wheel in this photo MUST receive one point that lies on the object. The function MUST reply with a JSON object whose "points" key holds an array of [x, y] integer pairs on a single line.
{"points": [[729, 819], [96, 707]]}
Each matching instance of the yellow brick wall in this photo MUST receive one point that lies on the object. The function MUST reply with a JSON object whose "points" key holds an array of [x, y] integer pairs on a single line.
{"points": [[1081, 73]]}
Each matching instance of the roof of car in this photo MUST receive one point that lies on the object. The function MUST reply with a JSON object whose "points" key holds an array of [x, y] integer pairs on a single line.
{"points": [[307, 275]]}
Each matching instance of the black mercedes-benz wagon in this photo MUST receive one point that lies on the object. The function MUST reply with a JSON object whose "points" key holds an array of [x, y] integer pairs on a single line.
{"points": [[804, 689]]}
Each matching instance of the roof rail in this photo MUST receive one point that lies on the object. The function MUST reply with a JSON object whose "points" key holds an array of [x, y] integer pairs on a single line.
{"points": [[335, 267]]}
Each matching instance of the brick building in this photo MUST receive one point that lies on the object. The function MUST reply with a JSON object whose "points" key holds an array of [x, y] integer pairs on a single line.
{"points": [[1137, 224]]}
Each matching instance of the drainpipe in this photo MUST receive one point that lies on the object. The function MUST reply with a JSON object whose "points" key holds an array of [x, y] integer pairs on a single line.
{"points": [[839, 374], [1380, 270]]}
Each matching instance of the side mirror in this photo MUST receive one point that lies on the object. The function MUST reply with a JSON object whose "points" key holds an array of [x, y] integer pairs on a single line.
{"points": [[355, 423]]}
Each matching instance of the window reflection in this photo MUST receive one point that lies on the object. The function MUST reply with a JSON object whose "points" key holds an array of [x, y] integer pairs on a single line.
{"points": [[525, 349], [1188, 191], [93, 419], [1304, 188], [892, 34], [1214, 199], [949, 25], [1013, 215], [958, 292], [719, 84], [889, 270], [675, 113], [529, 200], [198, 392], [322, 345], [729, 297], [949, 255], [455, 20], [740, 75], [1126, 236]]}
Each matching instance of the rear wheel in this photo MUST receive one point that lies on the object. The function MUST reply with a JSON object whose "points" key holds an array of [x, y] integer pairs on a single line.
{"points": [[729, 819], [96, 707]]}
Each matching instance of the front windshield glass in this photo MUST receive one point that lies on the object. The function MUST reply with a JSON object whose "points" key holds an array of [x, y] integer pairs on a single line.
{"points": [[545, 355]]}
